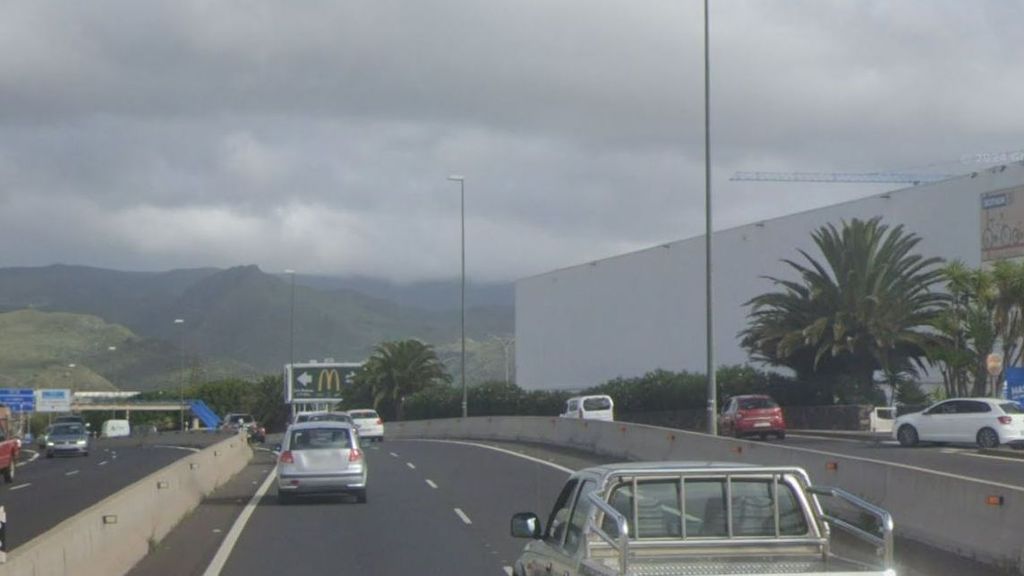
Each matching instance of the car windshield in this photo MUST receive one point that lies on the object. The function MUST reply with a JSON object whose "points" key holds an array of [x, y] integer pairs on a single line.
{"points": [[597, 404], [320, 439], [1011, 408], [67, 430], [363, 415]]}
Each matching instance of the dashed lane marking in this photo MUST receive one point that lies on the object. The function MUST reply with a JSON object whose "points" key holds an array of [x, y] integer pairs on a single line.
{"points": [[20, 486], [411, 465], [463, 516], [431, 484], [103, 463], [71, 473], [393, 455]]}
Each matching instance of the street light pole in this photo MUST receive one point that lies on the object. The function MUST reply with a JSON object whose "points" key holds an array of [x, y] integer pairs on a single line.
{"points": [[291, 321], [462, 294], [712, 384], [181, 379]]}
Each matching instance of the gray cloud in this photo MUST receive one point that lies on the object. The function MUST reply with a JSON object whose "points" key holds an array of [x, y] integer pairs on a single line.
{"points": [[318, 136]]}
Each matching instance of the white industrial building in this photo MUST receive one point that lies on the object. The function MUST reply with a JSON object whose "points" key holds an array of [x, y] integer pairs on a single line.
{"points": [[630, 314]]}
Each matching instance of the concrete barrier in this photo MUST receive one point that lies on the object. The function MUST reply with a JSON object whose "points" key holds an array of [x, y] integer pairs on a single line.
{"points": [[975, 518], [113, 535]]}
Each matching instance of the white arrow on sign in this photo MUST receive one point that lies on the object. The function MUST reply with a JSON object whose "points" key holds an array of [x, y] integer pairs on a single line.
{"points": [[305, 379]]}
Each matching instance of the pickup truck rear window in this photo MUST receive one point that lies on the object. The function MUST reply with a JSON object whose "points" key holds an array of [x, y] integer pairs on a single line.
{"points": [[597, 404], [656, 512]]}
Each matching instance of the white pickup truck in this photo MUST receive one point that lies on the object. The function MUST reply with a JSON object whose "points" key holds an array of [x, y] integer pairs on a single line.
{"points": [[683, 518]]}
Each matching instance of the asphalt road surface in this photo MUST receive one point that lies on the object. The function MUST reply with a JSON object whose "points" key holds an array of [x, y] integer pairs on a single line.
{"points": [[47, 491], [434, 508]]}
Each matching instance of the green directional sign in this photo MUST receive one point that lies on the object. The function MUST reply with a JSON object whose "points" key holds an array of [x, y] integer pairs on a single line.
{"points": [[320, 382]]}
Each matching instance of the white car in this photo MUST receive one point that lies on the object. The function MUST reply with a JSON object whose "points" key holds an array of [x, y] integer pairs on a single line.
{"points": [[368, 423], [988, 422]]}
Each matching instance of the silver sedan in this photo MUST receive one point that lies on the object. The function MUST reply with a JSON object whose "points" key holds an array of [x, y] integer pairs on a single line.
{"points": [[321, 458], [67, 438]]}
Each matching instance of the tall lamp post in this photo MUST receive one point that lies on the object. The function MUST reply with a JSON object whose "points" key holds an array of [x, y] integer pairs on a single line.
{"points": [[462, 293], [181, 380], [291, 321], [712, 384]]}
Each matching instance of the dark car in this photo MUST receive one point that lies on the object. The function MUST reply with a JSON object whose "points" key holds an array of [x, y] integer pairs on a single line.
{"points": [[69, 438], [750, 415]]}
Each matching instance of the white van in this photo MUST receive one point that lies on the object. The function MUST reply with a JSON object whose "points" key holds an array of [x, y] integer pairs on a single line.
{"points": [[115, 429], [590, 408]]}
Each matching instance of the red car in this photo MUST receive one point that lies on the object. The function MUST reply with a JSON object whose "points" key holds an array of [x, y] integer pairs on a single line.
{"points": [[752, 414], [10, 447]]}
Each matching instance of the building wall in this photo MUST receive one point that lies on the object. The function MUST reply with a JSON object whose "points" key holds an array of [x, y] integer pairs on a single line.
{"points": [[629, 314]]}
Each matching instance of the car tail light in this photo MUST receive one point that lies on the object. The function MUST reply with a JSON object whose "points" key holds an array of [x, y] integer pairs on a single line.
{"points": [[355, 455], [379, 422], [286, 457], [1005, 419]]}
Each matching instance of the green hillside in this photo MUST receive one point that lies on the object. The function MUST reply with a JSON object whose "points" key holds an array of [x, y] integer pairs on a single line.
{"points": [[81, 352]]}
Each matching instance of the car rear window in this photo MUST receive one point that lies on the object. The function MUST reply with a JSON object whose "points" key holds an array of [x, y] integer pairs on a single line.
{"points": [[757, 403], [364, 414], [597, 404], [320, 439], [327, 418], [1011, 408]]}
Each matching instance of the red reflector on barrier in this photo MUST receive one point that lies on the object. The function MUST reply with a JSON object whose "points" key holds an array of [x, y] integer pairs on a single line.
{"points": [[994, 500], [831, 466]]}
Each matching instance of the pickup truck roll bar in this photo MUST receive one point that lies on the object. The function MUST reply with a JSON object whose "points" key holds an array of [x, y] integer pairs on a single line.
{"points": [[885, 542]]}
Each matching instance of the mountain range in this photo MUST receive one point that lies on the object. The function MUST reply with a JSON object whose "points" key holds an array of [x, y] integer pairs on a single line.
{"points": [[243, 315]]}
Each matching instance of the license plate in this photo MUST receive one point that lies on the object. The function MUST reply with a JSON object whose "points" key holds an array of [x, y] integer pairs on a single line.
{"points": [[761, 424]]}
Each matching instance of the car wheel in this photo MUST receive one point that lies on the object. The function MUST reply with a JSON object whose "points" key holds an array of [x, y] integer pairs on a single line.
{"points": [[49, 454], [361, 496], [907, 435], [763, 436], [987, 438], [781, 434], [283, 498], [9, 472]]}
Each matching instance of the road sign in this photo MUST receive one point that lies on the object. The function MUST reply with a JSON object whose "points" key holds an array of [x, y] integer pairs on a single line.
{"points": [[53, 400], [319, 382], [18, 399], [1014, 389]]}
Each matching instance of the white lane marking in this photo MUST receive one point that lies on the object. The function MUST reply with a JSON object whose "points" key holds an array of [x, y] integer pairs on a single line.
{"points": [[431, 484], [495, 448], [103, 463], [508, 570], [462, 515], [411, 465], [71, 473], [393, 455], [35, 456], [224, 552], [187, 448], [1005, 458], [20, 486]]}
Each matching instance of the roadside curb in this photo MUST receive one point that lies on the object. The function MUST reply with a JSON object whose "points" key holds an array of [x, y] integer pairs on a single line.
{"points": [[845, 434], [1002, 452]]}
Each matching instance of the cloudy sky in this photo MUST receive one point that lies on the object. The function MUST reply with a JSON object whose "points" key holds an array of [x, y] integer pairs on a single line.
{"points": [[318, 135]]}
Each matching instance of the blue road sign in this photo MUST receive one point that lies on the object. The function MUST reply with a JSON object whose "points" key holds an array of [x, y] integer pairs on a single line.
{"points": [[18, 399]]}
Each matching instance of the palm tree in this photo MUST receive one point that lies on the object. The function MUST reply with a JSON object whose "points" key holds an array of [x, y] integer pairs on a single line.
{"points": [[397, 369], [867, 305]]}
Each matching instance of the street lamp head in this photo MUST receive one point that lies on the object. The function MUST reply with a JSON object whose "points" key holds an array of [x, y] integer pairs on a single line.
{"points": [[457, 178]]}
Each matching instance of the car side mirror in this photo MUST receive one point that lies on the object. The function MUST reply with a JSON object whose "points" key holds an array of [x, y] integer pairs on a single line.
{"points": [[277, 447], [526, 525]]}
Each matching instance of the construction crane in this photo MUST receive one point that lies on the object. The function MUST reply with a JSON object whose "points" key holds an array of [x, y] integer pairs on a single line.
{"points": [[841, 177]]}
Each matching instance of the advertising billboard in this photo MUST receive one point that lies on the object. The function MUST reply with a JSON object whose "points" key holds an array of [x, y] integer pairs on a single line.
{"points": [[319, 382], [1002, 224]]}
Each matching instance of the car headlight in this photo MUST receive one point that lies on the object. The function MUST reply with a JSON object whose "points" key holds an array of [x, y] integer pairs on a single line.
{"points": [[81, 442], [49, 442]]}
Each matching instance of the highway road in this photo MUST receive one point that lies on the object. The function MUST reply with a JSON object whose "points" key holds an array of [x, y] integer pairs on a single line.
{"points": [[961, 460], [47, 491], [434, 508]]}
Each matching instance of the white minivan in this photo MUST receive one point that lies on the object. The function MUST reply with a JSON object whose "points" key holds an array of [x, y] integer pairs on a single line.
{"points": [[115, 429], [590, 408]]}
